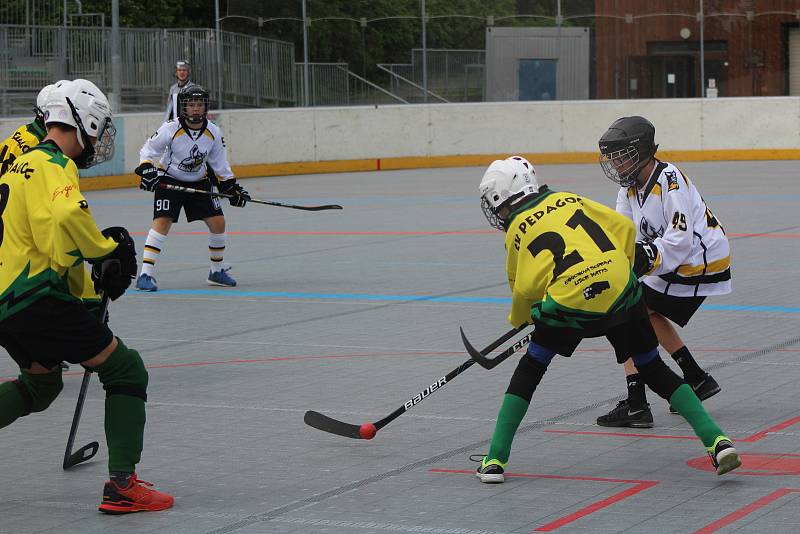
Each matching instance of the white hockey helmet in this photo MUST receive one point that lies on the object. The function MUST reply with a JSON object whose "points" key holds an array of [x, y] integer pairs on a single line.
{"points": [[505, 183], [44, 94], [83, 106]]}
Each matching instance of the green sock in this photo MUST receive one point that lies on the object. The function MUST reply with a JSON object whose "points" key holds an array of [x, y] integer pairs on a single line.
{"points": [[124, 424], [511, 413], [125, 414], [12, 406], [688, 405]]}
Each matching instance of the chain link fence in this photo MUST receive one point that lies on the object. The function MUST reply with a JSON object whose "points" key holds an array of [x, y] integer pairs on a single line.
{"points": [[611, 49]]}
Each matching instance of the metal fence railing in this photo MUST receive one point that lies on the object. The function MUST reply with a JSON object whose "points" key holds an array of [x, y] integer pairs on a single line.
{"points": [[254, 71], [453, 75], [333, 84], [401, 85]]}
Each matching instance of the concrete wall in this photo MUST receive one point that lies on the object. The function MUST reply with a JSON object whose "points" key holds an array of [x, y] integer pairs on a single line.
{"points": [[286, 141]]}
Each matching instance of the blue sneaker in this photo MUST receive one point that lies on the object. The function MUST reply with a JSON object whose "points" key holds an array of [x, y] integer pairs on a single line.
{"points": [[221, 278], [145, 282]]}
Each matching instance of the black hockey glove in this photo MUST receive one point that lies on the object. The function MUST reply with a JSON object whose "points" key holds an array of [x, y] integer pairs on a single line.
{"points": [[240, 196], [644, 258], [149, 175], [113, 274]]}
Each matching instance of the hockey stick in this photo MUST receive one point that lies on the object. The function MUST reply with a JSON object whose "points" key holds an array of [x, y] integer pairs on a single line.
{"points": [[491, 363], [87, 452], [255, 200], [368, 430]]}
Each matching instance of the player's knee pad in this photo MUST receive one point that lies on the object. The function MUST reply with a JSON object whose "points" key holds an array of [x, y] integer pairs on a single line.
{"points": [[645, 358], [541, 354], [660, 378], [39, 391], [526, 378], [123, 373]]}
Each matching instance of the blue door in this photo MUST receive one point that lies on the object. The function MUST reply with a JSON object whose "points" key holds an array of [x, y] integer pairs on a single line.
{"points": [[537, 79]]}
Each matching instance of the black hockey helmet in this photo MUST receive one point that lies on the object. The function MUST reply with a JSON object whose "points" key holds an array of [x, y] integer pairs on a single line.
{"points": [[193, 93], [626, 147]]}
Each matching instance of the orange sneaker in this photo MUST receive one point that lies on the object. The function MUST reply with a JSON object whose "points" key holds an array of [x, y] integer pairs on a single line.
{"points": [[137, 497]]}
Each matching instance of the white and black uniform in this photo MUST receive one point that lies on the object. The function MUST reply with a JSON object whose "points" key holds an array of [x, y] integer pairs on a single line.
{"points": [[694, 258], [184, 154]]}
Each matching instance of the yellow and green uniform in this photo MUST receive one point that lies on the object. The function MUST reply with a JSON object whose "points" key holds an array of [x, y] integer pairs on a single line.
{"points": [[21, 141], [569, 268], [568, 261], [47, 231]]}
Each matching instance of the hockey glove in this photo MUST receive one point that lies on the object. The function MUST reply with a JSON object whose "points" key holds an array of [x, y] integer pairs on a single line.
{"points": [[240, 196], [113, 274], [644, 259], [149, 175]]}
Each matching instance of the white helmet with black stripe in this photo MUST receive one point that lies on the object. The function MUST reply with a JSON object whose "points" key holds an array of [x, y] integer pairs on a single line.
{"points": [[83, 106]]}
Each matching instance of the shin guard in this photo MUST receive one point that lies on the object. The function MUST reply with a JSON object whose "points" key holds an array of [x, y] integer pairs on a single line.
{"points": [[28, 394]]}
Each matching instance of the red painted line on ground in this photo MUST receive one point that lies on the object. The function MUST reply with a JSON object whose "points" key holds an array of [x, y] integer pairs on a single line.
{"points": [[775, 428], [428, 232], [776, 236], [746, 510], [639, 486], [620, 434], [758, 436], [343, 233], [288, 358], [271, 359]]}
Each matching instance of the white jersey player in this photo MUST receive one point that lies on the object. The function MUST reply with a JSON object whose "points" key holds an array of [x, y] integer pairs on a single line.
{"points": [[681, 256], [692, 256], [188, 152]]}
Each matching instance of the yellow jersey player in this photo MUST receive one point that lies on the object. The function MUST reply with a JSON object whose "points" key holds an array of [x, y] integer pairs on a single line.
{"points": [[28, 135], [46, 235], [569, 269]]}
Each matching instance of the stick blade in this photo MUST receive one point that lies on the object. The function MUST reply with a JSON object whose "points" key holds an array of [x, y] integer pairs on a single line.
{"points": [[318, 208], [332, 426], [83, 454], [484, 362]]}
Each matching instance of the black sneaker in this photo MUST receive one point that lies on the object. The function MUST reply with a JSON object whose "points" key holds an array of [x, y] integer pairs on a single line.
{"points": [[624, 415], [491, 472], [724, 456], [706, 388]]}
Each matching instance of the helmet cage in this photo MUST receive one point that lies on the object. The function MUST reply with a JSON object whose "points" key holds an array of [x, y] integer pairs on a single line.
{"points": [[189, 97], [103, 148], [622, 166]]}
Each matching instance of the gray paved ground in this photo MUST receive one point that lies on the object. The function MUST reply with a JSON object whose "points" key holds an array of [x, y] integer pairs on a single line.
{"points": [[350, 313]]}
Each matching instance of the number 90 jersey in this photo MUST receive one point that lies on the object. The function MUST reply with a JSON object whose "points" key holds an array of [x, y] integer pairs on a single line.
{"points": [[568, 261], [694, 256]]}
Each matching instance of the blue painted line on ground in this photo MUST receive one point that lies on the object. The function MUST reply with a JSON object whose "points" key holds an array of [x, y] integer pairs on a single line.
{"points": [[328, 296], [422, 298]]}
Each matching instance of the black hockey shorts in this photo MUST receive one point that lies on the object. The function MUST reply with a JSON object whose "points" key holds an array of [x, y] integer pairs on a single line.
{"points": [[629, 332], [197, 206], [677, 309], [51, 331]]}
